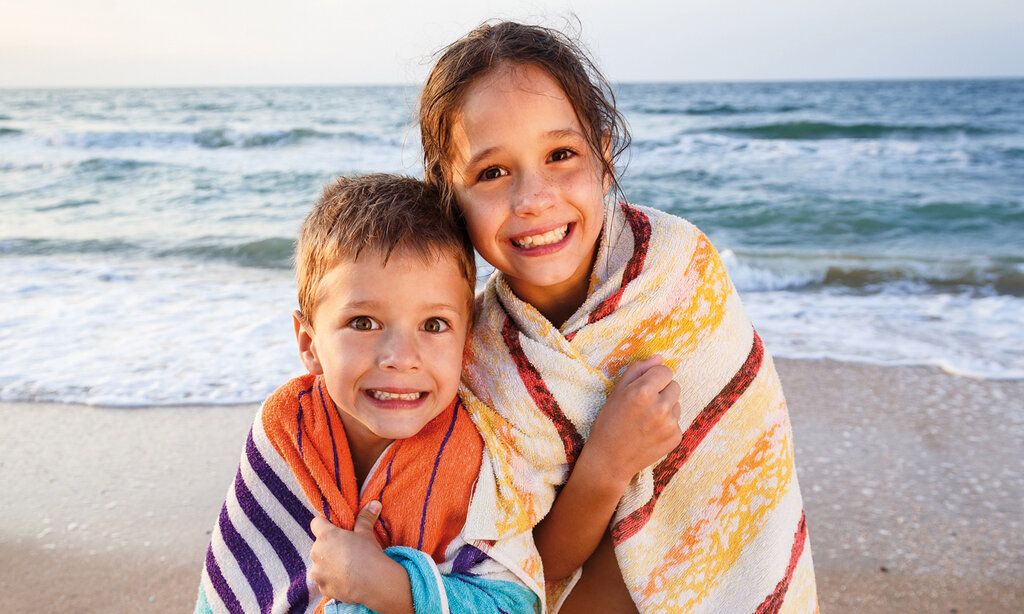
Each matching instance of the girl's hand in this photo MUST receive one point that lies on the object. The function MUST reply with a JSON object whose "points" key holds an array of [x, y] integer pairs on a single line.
{"points": [[349, 566], [639, 423]]}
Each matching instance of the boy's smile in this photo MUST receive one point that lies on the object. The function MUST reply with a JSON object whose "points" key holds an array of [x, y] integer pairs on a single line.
{"points": [[388, 340], [528, 184]]}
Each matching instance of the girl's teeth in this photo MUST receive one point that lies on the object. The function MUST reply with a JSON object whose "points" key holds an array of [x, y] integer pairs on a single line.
{"points": [[380, 395], [549, 237]]}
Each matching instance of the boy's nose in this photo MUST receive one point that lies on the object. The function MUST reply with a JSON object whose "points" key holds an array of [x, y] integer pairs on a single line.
{"points": [[399, 352]]}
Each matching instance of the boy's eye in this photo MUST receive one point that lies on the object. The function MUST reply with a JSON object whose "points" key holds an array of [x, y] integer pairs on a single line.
{"points": [[492, 172], [363, 323], [562, 154], [435, 325]]}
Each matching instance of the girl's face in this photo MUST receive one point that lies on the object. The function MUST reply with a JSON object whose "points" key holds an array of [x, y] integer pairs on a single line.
{"points": [[529, 185]]}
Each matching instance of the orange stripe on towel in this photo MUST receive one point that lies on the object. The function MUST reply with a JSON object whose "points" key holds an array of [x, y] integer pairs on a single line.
{"points": [[424, 483]]}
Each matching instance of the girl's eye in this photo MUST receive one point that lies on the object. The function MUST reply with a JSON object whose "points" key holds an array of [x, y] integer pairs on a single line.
{"points": [[492, 172], [562, 154], [363, 323], [435, 325]]}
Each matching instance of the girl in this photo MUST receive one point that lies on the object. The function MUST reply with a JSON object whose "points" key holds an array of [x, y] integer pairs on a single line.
{"points": [[666, 507]]}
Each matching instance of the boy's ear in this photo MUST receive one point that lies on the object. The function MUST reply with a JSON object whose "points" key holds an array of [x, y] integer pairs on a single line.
{"points": [[307, 347]]}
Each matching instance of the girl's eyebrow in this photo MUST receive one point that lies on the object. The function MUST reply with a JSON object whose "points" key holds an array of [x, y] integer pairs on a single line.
{"points": [[551, 135], [480, 155], [564, 133]]}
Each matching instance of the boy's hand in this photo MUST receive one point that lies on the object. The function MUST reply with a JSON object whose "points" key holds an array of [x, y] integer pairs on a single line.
{"points": [[639, 423], [349, 565]]}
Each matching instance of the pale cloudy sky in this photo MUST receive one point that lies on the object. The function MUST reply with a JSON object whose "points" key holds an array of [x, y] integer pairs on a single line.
{"points": [[220, 42]]}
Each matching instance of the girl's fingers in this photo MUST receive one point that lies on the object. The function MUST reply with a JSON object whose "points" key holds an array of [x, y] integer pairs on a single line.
{"points": [[637, 369], [671, 392], [657, 377]]}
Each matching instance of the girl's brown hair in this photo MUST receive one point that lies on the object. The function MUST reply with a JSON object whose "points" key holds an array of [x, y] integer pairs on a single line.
{"points": [[494, 44]]}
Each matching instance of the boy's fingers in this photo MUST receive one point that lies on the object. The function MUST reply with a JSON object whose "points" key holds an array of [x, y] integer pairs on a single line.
{"points": [[367, 518], [318, 525]]}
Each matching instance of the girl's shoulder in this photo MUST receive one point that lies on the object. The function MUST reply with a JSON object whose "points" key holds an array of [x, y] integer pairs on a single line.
{"points": [[669, 225]]}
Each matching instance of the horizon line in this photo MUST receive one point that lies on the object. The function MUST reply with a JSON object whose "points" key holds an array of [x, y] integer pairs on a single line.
{"points": [[613, 82]]}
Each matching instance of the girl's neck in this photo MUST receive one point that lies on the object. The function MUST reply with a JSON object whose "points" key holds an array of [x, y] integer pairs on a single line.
{"points": [[557, 302]]}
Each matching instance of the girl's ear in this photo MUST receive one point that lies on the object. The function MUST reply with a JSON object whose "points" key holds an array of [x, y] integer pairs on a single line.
{"points": [[606, 151], [306, 342]]}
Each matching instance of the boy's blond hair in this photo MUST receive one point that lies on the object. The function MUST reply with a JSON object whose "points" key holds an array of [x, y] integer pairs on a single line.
{"points": [[377, 213]]}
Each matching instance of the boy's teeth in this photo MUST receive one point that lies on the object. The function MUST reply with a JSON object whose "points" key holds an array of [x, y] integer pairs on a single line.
{"points": [[380, 395], [552, 236]]}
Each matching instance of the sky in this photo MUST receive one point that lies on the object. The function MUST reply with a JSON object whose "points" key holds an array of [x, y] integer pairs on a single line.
{"points": [[55, 43]]}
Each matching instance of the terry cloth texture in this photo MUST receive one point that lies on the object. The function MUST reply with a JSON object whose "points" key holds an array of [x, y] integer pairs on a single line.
{"points": [[296, 464], [718, 524]]}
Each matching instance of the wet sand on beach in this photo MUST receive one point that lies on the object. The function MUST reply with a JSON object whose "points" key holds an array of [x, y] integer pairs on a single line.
{"points": [[913, 481]]}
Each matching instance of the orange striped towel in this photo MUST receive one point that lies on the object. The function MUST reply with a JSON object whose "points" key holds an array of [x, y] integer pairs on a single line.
{"points": [[297, 463]]}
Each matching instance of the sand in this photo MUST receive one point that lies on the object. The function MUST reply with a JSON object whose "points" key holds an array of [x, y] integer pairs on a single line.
{"points": [[912, 481]]}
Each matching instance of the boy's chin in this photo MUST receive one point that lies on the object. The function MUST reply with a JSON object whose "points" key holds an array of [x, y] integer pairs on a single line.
{"points": [[399, 431]]}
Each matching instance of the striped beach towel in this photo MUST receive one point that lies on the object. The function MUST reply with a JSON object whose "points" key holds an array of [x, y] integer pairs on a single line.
{"points": [[296, 463], [718, 524]]}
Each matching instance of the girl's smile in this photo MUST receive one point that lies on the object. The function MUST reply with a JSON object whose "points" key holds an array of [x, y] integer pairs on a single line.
{"points": [[529, 186]]}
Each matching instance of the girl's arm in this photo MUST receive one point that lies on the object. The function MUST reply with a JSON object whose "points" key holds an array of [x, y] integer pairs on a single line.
{"points": [[637, 426]]}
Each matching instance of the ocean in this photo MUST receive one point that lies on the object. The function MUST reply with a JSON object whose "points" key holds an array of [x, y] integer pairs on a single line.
{"points": [[146, 234]]}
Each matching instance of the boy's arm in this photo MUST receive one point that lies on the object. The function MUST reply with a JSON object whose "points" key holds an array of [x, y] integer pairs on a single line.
{"points": [[350, 566], [637, 426]]}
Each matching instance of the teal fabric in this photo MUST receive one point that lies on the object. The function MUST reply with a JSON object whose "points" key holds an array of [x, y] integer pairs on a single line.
{"points": [[465, 593], [202, 605]]}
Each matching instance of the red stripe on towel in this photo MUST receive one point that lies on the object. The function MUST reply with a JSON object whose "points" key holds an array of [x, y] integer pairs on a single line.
{"points": [[542, 397], [641, 227], [695, 433], [773, 602]]}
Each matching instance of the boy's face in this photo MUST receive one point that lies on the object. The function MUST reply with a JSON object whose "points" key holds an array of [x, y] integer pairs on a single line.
{"points": [[389, 342]]}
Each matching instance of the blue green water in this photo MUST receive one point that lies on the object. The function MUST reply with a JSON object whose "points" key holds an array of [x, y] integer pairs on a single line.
{"points": [[146, 234]]}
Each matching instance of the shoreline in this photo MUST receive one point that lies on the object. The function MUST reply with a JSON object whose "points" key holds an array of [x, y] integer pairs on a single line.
{"points": [[913, 482]]}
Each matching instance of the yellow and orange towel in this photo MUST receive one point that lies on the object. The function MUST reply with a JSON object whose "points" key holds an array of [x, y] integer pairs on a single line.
{"points": [[715, 526], [296, 464]]}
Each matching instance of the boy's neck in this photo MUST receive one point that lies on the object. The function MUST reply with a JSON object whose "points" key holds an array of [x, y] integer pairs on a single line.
{"points": [[364, 446]]}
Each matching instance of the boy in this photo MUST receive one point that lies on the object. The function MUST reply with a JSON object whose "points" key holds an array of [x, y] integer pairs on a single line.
{"points": [[385, 287]]}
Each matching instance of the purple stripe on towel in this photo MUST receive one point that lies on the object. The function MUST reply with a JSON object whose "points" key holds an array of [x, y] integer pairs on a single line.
{"points": [[288, 500], [298, 596], [330, 431], [467, 558], [433, 474], [250, 565], [220, 584]]}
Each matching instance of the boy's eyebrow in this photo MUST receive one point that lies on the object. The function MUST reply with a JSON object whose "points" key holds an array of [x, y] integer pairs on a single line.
{"points": [[447, 306], [561, 133], [366, 304]]}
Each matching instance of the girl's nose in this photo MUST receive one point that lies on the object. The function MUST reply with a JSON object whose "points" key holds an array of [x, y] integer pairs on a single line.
{"points": [[399, 352], [534, 194]]}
